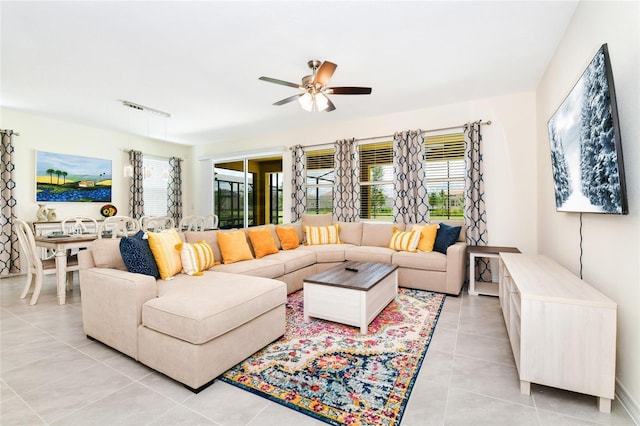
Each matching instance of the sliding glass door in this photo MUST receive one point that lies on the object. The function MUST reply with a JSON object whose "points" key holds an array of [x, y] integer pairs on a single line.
{"points": [[248, 192]]}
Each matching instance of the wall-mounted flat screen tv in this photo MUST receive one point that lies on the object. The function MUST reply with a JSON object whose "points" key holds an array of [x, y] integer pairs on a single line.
{"points": [[586, 153]]}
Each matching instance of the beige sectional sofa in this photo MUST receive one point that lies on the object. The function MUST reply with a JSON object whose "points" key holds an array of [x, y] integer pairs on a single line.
{"points": [[363, 241], [193, 328]]}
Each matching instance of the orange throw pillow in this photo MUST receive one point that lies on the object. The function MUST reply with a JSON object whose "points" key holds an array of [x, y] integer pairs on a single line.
{"points": [[288, 237], [262, 241], [234, 247]]}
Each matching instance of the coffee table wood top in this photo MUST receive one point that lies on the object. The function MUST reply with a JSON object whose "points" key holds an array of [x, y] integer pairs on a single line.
{"points": [[369, 274]]}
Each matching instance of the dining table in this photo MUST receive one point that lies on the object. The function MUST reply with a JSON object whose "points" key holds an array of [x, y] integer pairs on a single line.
{"points": [[61, 244]]}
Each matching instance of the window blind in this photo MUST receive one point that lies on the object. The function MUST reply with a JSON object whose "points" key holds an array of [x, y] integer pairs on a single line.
{"points": [[155, 186]]}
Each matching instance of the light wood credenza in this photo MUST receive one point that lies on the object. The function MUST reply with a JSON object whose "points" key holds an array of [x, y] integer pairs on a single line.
{"points": [[562, 330]]}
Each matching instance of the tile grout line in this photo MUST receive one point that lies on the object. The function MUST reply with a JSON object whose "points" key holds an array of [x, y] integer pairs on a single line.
{"points": [[18, 396], [453, 358]]}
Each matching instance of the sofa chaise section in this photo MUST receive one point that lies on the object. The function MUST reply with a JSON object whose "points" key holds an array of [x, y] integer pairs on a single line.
{"points": [[199, 327], [191, 328]]}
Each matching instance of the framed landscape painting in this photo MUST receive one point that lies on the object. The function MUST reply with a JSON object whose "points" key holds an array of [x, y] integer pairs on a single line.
{"points": [[71, 178]]}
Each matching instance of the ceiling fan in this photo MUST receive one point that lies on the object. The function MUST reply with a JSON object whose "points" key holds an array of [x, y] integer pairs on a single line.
{"points": [[314, 88]]}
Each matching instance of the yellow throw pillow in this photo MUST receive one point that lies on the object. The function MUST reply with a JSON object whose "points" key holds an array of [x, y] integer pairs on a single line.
{"points": [[288, 237], [404, 240], [163, 247], [322, 234], [196, 257], [262, 241], [427, 236], [234, 247]]}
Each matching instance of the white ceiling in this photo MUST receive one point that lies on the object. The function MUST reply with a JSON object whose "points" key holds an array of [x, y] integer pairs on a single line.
{"points": [[200, 61]]}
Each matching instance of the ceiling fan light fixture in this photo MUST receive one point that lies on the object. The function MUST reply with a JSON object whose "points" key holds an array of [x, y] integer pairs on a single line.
{"points": [[306, 102], [314, 87], [321, 102]]}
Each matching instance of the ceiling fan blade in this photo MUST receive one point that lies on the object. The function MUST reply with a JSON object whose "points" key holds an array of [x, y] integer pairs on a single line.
{"points": [[282, 82], [330, 106], [324, 73], [289, 99], [349, 90]]}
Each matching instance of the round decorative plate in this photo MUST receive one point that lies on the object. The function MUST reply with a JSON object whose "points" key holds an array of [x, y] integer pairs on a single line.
{"points": [[108, 210]]}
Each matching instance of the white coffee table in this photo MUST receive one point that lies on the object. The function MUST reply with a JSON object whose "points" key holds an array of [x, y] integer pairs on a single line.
{"points": [[350, 297]]}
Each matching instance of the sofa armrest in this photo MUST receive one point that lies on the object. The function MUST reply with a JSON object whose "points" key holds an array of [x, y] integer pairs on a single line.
{"points": [[112, 306], [85, 259], [456, 267]]}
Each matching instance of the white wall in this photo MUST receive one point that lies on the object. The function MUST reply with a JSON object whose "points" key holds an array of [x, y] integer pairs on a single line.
{"points": [[611, 243], [509, 155], [39, 133]]}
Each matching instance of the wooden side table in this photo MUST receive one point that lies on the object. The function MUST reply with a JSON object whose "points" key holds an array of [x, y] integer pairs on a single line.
{"points": [[485, 288]]}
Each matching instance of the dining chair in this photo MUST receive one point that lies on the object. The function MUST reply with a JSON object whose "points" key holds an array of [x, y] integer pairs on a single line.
{"points": [[36, 268], [211, 221], [192, 223], [118, 226], [79, 225], [156, 223]]}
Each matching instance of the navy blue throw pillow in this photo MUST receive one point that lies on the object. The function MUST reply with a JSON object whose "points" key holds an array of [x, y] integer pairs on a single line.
{"points": [[447, 235], [137, 255]]}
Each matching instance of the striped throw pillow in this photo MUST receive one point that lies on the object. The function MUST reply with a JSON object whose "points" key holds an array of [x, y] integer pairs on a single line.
{"points": [[196, 257], [404, 240], [322, 235]]}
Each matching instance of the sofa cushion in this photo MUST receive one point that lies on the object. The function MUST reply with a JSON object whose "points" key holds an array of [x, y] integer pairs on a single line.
{"points": [[262, 240], [137, 255], [209, 236], [106, 253], [255, 267], [288, 237], [351, 232], [447, 235], [316, 219], [163, 246], [378, 234], [234, 247], [369, 254], [424, 260], [293, 260], [328, 252], [197, 310], [322, 234], [196, 257]]}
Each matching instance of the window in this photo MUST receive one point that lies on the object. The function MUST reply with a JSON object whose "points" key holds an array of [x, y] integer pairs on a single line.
{"points": [[445, 173], [376, 181], [155, 185], [320, 180], [274, 198]]}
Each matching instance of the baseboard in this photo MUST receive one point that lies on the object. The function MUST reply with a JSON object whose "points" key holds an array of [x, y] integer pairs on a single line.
{"points": [[626, 400]]}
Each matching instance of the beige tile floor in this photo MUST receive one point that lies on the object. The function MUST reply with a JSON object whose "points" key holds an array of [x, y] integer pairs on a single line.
{"points": [[50, 373]]}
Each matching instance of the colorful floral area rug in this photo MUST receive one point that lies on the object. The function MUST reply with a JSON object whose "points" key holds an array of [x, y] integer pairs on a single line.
{"points": [[333, 373]]}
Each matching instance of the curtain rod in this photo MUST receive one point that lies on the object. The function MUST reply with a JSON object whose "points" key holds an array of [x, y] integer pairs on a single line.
{"points": [[7, 131], [488, 123], [126, 151]]}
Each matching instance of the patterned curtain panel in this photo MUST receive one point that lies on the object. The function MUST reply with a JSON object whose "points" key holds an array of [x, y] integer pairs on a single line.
{"points": [[410, 202], [475, 215], [136, 199], [174, 194], [298, 183], [346, 188], [9, 248]]}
